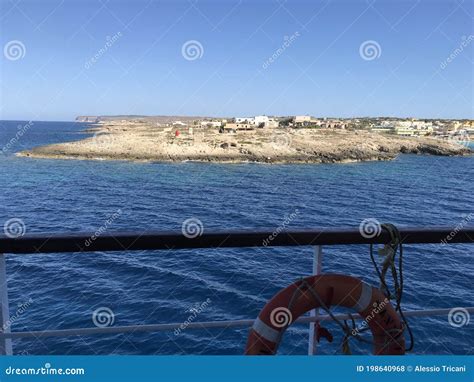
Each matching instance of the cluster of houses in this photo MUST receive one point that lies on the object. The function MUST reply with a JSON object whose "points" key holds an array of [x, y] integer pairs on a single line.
{"points": [[242, 123], [263, 121], [410, 127], [402, 127], [407, 128], [415, 127]]}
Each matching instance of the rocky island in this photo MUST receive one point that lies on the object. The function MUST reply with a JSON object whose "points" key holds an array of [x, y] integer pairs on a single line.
{"points": [[163, 140]]}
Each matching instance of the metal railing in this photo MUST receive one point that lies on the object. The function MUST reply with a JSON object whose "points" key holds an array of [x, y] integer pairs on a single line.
{"points": [[36, 244]]}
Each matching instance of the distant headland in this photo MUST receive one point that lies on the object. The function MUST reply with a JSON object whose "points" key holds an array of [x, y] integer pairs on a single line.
{"points": [[288, 139]]}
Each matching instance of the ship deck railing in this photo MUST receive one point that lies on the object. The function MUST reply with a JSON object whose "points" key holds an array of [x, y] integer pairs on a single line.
{"points": [[37, 244]]}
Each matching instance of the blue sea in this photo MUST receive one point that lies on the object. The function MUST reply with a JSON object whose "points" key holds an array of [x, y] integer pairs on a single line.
{"points": [[60, 291]]}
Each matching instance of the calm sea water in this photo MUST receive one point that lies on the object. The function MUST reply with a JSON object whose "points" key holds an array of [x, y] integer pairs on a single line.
{"points": [[61, 291]]}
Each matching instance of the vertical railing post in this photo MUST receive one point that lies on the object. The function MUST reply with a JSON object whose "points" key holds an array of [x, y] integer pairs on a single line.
{"points": [[317, 265], [5, 343]]}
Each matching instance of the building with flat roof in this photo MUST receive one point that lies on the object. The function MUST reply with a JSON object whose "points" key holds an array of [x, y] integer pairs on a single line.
{"points": [[211, 123], [259, 119], [302, 120], [249, 120]]}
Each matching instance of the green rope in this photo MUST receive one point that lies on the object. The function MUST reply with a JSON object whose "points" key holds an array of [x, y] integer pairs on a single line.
{"points": [[389, 251], [304, 285]]}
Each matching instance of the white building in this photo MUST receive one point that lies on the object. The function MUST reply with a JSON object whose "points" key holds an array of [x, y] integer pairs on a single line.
{"points": [[249, 120], [261, 119], [403, 124], [387, 124], [211, 123], [272, 123]]}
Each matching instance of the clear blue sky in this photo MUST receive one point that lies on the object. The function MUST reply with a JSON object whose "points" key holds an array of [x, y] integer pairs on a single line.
{"points": [[321, 71]]}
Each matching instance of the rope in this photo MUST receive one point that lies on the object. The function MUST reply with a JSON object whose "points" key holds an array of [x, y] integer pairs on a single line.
{"points": [[345, 342], [389, 251], [302, 286]]}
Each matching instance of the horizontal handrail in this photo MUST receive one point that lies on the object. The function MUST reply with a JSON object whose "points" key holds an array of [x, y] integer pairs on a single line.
{"points": [[158, 240], [202, 325]]}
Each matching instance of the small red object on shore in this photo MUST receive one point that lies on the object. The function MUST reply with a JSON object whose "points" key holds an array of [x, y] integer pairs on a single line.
{"points": [[176, 134]]}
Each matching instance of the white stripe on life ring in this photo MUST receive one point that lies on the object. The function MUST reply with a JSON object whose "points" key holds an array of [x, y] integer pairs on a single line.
{"points": [[266, 331], [364, 299]]}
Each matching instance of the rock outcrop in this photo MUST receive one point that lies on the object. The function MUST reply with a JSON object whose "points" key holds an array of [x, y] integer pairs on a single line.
{"points": [[147, 142]]}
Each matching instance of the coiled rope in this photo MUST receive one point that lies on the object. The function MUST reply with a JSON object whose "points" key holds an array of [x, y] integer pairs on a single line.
{"points": [[389, 253]]}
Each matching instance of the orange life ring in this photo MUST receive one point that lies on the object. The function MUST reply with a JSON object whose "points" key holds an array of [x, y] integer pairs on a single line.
{"points": [[298, 298]]}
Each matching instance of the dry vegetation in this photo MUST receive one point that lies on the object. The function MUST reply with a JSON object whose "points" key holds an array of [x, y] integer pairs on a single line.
{"points": [[144, 141]]}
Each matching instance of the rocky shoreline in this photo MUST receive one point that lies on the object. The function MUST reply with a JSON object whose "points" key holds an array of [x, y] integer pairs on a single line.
{"points": [[135, 142]]}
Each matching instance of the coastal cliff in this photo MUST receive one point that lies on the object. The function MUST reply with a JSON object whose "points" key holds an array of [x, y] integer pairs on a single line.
{"points": [[87, 118], [136, 141]]}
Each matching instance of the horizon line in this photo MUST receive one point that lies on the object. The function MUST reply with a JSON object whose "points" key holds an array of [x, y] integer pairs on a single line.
{"points": [[224, 117]]}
